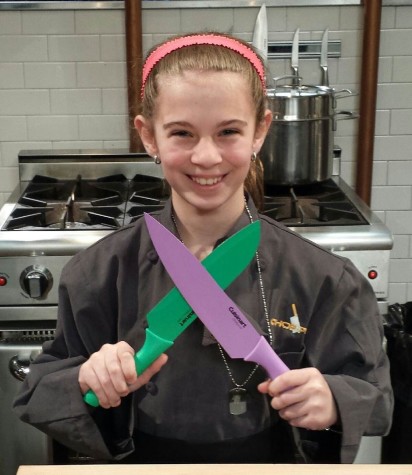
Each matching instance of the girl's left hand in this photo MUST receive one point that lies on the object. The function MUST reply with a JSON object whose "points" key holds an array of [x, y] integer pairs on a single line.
{"points": [[303, 398]]}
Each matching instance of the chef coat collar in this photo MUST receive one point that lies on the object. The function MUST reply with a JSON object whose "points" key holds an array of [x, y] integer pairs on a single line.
{"points": [[165, 218]]}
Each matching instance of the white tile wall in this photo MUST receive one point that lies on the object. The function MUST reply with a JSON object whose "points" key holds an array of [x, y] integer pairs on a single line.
{"points": [[101, 74], [49, 75], [12, 128], [400, 173], [114, 101], [99, 22], [10, 23], [75, 101], [73, 48], [400, 247], [63, 85], [24, 102], [11, 73], [392, 197], [380, 171], [47, 22], [20, 48], [52, 127]]}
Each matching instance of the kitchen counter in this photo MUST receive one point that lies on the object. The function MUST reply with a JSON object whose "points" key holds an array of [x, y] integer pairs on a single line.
{"points": [[243, 469]]}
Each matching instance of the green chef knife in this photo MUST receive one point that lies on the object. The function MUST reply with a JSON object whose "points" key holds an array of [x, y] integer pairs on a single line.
{"points": [[172, 315]]}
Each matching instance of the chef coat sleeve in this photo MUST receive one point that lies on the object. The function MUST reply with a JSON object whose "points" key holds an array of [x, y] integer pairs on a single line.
{"points": [[346, 344], [50, 398]]}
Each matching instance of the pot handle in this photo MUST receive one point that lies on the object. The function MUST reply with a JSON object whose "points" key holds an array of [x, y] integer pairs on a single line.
{"points": [[345, 93], [346, 115], [288, 76], [342, 94]]}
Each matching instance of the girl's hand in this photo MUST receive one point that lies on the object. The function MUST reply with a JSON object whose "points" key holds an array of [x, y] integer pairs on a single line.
{"points": [[303, 398], [111, 373]]}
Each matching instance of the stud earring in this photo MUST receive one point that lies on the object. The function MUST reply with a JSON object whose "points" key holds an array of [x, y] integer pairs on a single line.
{"points": [[254, 156], [157, 160]]}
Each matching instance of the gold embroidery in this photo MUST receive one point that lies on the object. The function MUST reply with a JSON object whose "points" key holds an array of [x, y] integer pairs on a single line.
{"points": [[287, 326]]}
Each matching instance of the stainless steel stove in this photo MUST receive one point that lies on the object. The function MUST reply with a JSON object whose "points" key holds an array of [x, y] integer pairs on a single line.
{"points": [[67, 200]]}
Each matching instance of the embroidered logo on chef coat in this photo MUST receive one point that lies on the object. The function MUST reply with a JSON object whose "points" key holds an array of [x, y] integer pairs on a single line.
{"points": [[287, 326], [294, 325]]}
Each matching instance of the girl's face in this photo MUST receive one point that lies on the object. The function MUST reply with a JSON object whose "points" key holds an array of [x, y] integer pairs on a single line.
{"points": [[204, 131]]}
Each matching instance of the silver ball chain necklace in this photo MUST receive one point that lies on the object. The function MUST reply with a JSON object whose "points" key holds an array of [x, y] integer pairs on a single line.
{"points": [[238, 394]]}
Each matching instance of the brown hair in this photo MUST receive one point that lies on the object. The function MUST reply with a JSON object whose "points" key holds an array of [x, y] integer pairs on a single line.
{"points": [[212, 58]]}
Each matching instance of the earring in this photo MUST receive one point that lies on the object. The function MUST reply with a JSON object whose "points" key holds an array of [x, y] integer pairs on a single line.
{"points": [[157, 160], [254, 156]]}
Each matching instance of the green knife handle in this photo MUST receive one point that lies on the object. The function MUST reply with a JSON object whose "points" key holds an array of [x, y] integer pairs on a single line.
{"points": [[154, 345], [91, 399], [152, 348]]}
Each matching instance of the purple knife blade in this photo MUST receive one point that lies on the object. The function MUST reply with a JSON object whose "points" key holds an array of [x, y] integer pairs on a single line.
{"points": [[216, 310]]}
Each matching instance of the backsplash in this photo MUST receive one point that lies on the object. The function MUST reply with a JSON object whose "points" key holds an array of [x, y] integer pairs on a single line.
{"points": [[63, 85]]}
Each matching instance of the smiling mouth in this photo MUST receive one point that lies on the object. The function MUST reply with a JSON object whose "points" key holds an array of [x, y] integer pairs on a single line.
{"points": [[206, 181]]}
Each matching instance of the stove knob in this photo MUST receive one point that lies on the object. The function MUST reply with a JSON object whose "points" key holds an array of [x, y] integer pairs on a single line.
{"points": [[36, 281], [19, 367]]}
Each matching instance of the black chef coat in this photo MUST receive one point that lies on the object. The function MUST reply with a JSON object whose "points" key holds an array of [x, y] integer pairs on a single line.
{"points": [[105, 293]]}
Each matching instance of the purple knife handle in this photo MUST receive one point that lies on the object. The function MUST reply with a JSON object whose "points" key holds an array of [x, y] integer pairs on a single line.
{"points": [[264, 355]]}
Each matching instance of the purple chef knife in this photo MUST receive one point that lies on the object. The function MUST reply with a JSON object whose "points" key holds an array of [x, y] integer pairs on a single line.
{"points": [[215, 309]]}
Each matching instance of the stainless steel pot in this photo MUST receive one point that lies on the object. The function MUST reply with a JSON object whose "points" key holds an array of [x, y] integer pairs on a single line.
{"points": [[299, 145]]}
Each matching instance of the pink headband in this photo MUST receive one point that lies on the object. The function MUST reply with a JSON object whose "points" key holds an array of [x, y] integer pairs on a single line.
{"points": [[216, 40]]}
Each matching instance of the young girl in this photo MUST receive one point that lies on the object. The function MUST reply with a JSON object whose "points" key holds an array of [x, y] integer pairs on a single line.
{"points": [[204, 120]]}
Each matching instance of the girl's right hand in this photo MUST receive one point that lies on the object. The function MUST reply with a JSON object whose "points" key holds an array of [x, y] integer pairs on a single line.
{"points": [[111, 373]]}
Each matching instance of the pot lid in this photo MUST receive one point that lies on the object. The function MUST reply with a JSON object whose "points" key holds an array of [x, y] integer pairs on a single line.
{"points": [[289, 91]]}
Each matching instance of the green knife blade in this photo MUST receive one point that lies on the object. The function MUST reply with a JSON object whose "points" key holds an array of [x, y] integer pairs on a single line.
{"points": [[172, 315]]}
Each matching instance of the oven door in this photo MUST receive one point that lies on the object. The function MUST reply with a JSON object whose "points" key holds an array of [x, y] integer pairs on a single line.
{"points": [[21, 444]]}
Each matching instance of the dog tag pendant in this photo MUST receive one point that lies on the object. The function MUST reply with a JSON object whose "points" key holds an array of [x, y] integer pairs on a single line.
{"points": [[237, 401]]}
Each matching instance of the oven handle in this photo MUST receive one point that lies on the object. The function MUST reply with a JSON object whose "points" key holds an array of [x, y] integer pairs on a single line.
{"points": [[19, 365]]}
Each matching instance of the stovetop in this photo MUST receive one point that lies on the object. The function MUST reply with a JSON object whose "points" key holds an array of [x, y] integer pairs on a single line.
{"points": [[69, 199], [113, 201]]}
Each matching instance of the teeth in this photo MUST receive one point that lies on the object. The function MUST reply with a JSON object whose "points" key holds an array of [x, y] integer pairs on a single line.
{"points": [[206, 181]]}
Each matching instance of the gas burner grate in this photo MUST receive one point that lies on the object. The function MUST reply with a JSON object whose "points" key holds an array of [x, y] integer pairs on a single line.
{"points": [[109, 202], [103, 191], [137, 211], [108, 216], [148, 194], [318, 204], [62, 216], [21, 217], [335, 211]]}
